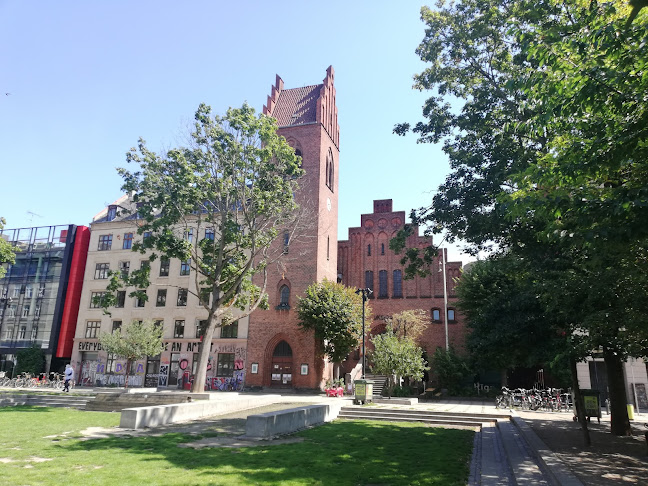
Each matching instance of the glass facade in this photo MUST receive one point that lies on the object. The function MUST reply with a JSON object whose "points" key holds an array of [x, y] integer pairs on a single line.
{"points": [[32, 292]]}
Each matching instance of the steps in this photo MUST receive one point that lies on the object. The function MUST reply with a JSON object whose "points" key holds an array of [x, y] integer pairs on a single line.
{"points": [[501, 454], [45, 400], [379, 383]]}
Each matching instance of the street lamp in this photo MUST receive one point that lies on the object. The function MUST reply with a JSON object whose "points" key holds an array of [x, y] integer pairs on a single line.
{"points": [[365, 296]]}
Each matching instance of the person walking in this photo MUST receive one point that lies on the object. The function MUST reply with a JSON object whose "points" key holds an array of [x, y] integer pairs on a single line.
{"points": [[69, 375]]}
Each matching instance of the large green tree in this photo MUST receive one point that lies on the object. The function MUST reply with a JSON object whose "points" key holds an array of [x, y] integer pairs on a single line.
{"points": [[218, 203], [7, 255], [137, 341], [334, 313], [546, 137]]}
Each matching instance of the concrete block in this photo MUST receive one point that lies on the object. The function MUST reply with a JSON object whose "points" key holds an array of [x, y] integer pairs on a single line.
{"points": [[288, 421]]}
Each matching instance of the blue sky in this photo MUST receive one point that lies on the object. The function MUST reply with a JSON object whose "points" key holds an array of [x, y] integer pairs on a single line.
{"points": [[86, 79]]}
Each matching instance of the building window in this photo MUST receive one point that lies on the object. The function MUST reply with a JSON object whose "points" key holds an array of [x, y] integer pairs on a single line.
{"points": [[128, 241], [164, 267], [95, 299], [185, 267], [201, 327], [178, 329], [140, 301], [188, 235], [230, 331], [382, 284], [182, 297], [8, 332], [105, 242], [11, 310], [92, 329], [160, 301], [398, 283], [329, 170], [37, 311], [382, 248], [204, 297], [23, 332], [284, 297], [25, 310], [369, 283], [286, 242], [34, 333], [451, 315], [146, 235], [121, 298], [111, 363], [328, 247], [225, 366], [145, 264], [112, 213], [368, 250], [101, 271], [436, 315], [29, 291], [124, 268], [209, 234], [16, 291], [116, 325]]}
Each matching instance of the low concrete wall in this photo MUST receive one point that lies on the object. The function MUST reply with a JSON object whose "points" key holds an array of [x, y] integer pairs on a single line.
{"points": [[116, 401], [153, 416], [288, 421]]}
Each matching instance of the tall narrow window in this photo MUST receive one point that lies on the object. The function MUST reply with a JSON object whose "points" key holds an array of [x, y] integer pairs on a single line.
{"points": [[128, 241], [436, 315], [451, 315], [286, 242], [398, 283], [369, 281], [161, 298], [329, 170], [112, 213], [140, 301], [188, 235], [121, 298], [382, 284], [284, 297], [116, 325], [382, 248], [328, 247], [182, 297], [368, 250], [178, 329], [124, 269], [165, 263], [185, 267]]}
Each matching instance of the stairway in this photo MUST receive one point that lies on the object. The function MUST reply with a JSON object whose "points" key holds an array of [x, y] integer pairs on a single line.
{"points": [[45, 400], [379, 383], [501, 454]]}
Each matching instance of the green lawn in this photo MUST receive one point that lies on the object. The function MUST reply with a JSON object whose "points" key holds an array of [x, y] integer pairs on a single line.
{"points": [[41, 446]]}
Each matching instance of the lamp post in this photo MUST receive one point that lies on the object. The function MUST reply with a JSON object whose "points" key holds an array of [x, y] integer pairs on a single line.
{"points": [[365, 295]]}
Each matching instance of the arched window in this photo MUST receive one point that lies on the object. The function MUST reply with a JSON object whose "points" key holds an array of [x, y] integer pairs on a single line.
{"points": [[284, 297], [382, 284], [329, 170], [282, 349], [398, 283]]}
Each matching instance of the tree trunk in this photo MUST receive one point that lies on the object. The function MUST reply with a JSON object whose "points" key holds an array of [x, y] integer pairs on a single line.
{"points": [[198, 385], [579, 403], [619, 422]]}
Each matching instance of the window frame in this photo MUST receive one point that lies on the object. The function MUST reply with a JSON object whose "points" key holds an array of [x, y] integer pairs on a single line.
{"points": [[179, 329], [101, 271], [183, 297], [160, 299], [105, 242], [127, 243], [225, 364], [165, 267], [230, 331], [92, 329]]}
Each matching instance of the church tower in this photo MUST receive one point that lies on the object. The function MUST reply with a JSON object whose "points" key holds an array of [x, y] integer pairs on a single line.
{"points": [[279, 354]]}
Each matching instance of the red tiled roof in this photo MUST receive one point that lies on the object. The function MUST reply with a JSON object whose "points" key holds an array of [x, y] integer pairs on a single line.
{"points": [[297, 106]]}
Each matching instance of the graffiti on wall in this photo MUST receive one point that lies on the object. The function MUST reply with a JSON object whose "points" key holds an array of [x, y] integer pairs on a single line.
{"points": [[234, 383], [164, 375]]}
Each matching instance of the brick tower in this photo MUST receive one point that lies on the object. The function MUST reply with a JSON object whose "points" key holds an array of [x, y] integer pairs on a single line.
{"points": [[279, 354]]}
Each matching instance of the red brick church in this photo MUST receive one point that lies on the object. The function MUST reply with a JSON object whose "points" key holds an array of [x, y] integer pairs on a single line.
{"points": [[279, 354]]}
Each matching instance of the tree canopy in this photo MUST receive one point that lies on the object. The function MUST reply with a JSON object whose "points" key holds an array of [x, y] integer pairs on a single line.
{"points": [[218, 204], [334, 313], [7, 255], [542, 111]]}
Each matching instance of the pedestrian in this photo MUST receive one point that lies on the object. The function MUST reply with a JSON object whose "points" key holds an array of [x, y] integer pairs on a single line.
{"points": [[69, 375]]}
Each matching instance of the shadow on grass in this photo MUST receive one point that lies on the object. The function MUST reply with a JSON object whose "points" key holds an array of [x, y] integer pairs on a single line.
{"points": [[339, 453], [24, 408]]}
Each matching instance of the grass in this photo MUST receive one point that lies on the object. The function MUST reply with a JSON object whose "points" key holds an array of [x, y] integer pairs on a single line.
{"points": [[42, 446]]}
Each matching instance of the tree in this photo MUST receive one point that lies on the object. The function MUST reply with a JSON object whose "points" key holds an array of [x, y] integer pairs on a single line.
{"points": [[547, 150], [450, 369], [396, 356], [334, 312], [409, 324], [234, 184], [137, 341], [7, 255], [30, 360]]}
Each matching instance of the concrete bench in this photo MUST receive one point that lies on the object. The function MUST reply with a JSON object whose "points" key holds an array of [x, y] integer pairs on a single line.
{"points": [[269, 424], [153, 416]]}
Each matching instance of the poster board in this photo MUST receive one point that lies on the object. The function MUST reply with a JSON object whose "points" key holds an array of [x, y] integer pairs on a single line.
{"points": [[642, 398]]}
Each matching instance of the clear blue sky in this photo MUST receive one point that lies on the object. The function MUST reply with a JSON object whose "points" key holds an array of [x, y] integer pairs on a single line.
{"points": [[87, 78]]}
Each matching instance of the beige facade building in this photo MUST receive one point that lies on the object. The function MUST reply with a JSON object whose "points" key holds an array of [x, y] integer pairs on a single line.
{"points": [[172, 301]]}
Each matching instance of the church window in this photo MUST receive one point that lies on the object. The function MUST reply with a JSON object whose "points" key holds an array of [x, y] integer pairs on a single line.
{"points": [[329, 170], [382, 282], [369, 283]]}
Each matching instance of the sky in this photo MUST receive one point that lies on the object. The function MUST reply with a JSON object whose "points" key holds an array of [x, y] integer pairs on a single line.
{"points": [[81, 81]]}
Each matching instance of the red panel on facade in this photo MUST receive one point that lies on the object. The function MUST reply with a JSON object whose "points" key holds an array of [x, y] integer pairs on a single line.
{"points": [[73, 295]]}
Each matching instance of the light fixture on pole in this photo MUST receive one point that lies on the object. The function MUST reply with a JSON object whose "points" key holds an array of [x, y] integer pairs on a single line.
{"points": [[365, 295], [442, 265]]}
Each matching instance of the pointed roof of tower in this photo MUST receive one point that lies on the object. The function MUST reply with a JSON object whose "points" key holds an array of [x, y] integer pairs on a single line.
{"points": [[305, 105]]}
